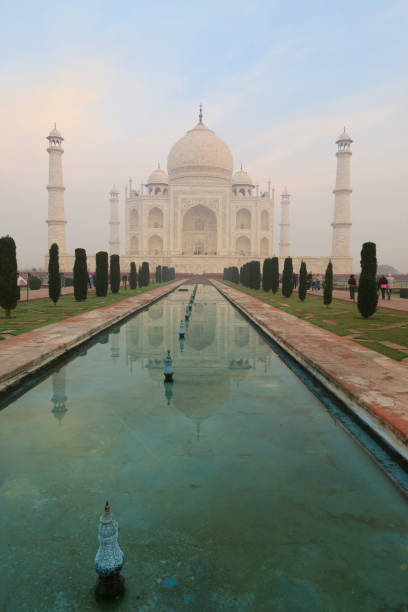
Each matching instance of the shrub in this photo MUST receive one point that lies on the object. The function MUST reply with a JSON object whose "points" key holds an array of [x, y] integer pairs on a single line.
{"points": [[302, 281], [8, 275], [80, 275], [114, 273], [69, 282], [158, 274], [267, 274], [145, 274], [274, 274], [367, 288], [34, 283], [254, 274], [287, 278], [404, 293], [133, 276], [54, 279], [328, 285], [101, 273]]}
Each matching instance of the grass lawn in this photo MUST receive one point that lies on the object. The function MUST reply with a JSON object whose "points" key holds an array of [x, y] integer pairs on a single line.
{"points": [[342, 318], [37, 313]]}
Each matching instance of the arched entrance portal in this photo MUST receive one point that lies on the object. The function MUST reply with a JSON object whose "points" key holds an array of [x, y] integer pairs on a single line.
{"points": [[199, 235]]}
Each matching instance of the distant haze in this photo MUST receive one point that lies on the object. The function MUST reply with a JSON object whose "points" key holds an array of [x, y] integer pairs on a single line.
{"points": [[278, 82]]}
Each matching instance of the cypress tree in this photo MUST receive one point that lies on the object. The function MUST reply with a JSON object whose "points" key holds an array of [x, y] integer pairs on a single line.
{"points": [[54, 279], [114, 273], [267, 274], [145, 274], [367, 289], [302, 281], [80, 275], [241, 275], [328, 285], [287, 278], [274, 274], [255, 274], [101, 273], [8, 275], [133, 276], [158, 274]]}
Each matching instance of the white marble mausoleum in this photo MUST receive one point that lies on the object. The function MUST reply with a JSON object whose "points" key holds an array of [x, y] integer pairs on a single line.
{"points": [[201, 216]]}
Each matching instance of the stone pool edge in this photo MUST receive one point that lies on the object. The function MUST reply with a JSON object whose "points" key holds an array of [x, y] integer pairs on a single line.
{"points": [[24, 355], [373, 386]]}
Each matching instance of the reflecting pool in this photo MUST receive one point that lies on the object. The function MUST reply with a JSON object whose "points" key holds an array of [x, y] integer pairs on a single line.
{"points": [[234, 488]]}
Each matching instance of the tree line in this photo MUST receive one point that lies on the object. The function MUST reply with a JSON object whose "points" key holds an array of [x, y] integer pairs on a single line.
{"points": [[249, 275], [107, 273]]}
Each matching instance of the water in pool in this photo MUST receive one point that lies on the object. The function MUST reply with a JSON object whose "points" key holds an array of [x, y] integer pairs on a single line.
{"points": [[234, 488]]}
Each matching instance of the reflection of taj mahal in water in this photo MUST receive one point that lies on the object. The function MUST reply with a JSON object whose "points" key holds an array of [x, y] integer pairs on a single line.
{"points": [[223, 362], [201, 217]]}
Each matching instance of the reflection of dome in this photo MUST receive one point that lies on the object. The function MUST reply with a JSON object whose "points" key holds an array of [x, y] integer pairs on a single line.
{"points": [[200, 154], [242, 178], [158, 177], [202, 399]]}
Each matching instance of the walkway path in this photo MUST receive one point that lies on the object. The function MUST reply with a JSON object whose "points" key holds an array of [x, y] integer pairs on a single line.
{"points": [[23, 355], [375, 386], [395, 303], [39, 294]]}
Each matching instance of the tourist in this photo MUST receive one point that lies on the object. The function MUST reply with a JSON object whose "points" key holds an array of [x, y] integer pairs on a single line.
{"points": [[383, 285], [352, 283], [21, 282], [318, 281], [90, 281], [390, 283], [294, 280], [309, 281]]}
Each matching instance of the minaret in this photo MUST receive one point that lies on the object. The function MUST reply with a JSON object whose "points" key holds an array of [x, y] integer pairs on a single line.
{"points": [[341, 220], [284, 243], [114, 240], [59, 397], [56, 219]]}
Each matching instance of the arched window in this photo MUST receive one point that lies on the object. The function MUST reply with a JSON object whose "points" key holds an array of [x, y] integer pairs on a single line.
{"points": [[264, 247], [134, 244], [155, 217], [134, 218], [264, 221], [243, 246], [155, 245], [243, 219]]}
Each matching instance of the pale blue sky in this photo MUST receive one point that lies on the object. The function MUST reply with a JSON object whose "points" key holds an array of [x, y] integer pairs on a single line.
{"points": [[278, 81]]}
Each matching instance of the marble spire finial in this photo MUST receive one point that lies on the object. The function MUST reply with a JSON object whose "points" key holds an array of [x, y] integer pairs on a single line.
{"points": [[200, 116]]}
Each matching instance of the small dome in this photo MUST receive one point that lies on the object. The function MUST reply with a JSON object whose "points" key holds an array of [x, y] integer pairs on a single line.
{"points": [[114, 190], [158, 177], [344, 137], [200, 153], [242, 178], [55, 133]]}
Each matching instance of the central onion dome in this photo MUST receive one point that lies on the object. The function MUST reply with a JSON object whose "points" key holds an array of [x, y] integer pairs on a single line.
{"points": [[200, 154]]}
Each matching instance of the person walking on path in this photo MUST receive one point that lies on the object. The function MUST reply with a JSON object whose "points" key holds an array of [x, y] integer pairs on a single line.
{"points": [[383, 285], [352, 283], [390, 283], [294, 280], [318, 281]]}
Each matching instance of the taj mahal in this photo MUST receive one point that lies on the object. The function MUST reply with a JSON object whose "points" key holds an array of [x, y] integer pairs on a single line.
{"points": [[201, 216]]}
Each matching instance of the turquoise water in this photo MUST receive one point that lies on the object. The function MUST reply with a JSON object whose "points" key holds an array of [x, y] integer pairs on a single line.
{"points": [[234, 488]]}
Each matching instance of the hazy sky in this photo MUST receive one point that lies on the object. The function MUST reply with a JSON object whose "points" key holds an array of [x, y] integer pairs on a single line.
{"points": [[278, 81]]}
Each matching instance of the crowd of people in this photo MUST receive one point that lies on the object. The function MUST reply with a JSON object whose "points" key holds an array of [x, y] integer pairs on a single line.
{"points": [[315, 282]]}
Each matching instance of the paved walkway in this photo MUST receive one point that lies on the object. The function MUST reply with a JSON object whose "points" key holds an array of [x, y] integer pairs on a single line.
{"points": [[395, 303], [375, 386], [22, 355], [39, 294]]}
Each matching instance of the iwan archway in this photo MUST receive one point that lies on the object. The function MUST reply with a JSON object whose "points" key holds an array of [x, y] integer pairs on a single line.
{"points": [[199, 234]]}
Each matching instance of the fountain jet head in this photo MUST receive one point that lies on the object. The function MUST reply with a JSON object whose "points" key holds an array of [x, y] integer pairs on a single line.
{"points": [[168, 368]]}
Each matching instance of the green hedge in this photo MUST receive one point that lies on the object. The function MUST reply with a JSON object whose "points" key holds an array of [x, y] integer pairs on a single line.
{"points": [[34, 283], [404, 293]]}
